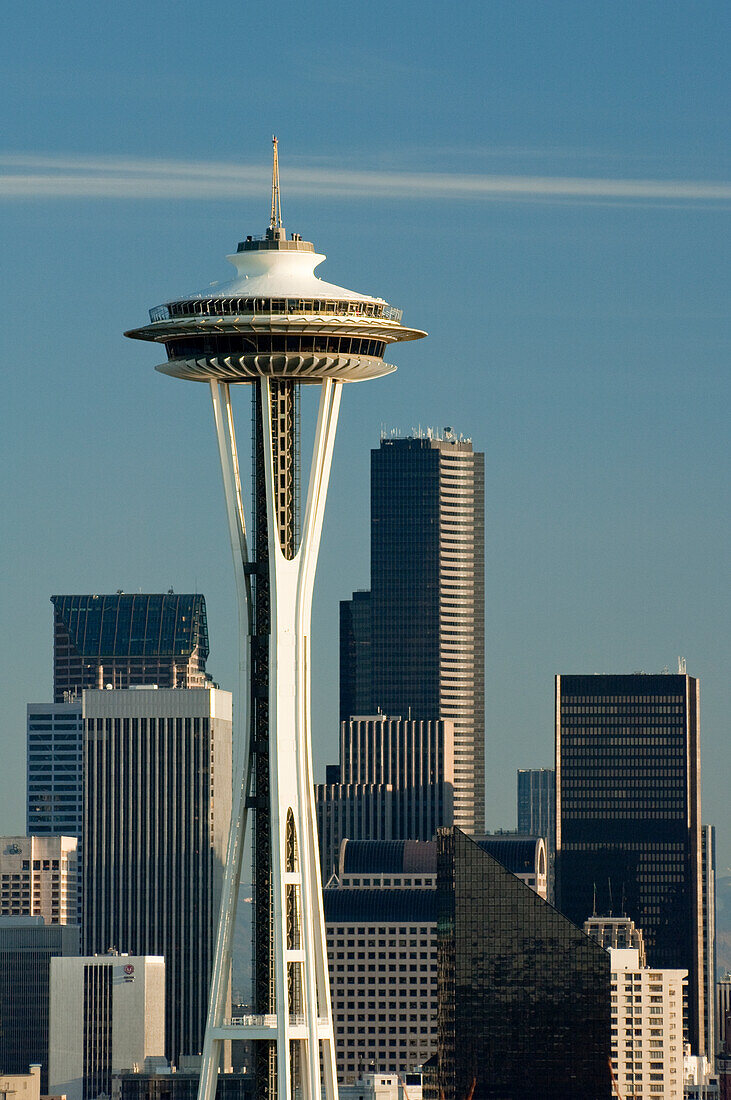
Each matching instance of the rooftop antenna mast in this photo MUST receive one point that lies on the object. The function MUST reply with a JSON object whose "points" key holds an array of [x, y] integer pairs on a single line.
{"points": [[275, 222]]}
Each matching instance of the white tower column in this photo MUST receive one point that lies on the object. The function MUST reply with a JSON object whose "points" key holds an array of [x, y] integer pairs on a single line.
{"points": [[303, 1010]]}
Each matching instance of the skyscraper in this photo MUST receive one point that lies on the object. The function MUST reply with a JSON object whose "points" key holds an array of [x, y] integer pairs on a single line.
{"points": [[523, 993], [427, 602], [350, 811], [157, 808], [356, 673], [537, 811], [275, 326], [537, 803], [628, 823], [54, 805], [128, 639]]}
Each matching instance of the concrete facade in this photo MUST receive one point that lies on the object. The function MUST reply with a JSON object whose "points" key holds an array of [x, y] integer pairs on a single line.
{"points": [[647, 1028], [21, 1086], [117, 999], [395, 781], [39, 877]]}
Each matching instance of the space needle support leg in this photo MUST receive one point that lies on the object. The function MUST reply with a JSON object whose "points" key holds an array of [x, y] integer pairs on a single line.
{"points": [[317, 1000], [291, 791], [220, 977]]}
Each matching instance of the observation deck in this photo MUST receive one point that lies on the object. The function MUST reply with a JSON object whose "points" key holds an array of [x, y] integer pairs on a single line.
{"points": [[276, 318]]}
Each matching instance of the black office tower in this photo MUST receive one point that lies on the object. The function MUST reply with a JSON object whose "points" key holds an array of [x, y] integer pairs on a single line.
{"points": [[524, 1001], [426, 607], [628, 823], [27, 946]]}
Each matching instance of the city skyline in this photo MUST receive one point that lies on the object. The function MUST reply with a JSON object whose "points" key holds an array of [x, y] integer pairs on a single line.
{"points": [[576, 332]]}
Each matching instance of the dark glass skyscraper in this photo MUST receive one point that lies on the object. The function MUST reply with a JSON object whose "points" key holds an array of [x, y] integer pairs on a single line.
{"points": [[628, 824], [427, 602], [27, 946], [537, 803], [524, 1006], [128, 640]]}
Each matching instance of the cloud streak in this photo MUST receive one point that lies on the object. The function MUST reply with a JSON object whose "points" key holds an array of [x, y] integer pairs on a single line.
{"points": [[64, 177]]}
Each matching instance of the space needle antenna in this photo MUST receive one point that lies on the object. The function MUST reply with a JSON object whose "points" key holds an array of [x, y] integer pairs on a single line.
{"points": [[275, 222]]}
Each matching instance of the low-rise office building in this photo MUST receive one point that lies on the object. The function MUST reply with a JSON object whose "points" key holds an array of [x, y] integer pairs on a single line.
{"points": [[107, 1013], [380, 920]]}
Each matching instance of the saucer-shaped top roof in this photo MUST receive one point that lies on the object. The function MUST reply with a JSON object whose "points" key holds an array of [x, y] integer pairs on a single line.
{"points": [[277, 273]]}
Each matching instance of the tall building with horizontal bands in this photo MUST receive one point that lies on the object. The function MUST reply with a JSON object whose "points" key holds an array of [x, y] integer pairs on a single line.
{"points": [[425, 614], [157, 810], [628, 821], [128, 639], [380, 919], [54, 804], [395, 781]]}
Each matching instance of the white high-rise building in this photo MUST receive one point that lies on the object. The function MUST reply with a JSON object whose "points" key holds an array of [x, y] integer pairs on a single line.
{"points": [[39, 877], [647, 1028], [107, 1013]]}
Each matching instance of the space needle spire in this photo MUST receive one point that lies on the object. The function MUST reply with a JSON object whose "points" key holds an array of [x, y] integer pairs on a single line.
{"points": [[275, 222], [274, 327]]}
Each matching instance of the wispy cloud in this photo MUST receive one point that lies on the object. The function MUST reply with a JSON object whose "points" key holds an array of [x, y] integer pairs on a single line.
{"points": [[64, 177]]}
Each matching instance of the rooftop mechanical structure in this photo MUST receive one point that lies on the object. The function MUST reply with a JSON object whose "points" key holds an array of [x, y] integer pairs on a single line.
{"points": [[276, 326]]}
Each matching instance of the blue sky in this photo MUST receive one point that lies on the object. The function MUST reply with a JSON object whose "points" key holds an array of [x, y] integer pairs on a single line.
{"points": [[545, 188]]}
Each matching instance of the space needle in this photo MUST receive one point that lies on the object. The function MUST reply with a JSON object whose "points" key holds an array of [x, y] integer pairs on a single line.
{"points": [[276, 326]]}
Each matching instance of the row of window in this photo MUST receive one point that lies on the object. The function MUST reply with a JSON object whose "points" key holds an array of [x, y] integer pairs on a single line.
{"points": [[216, 307], [266, 344]]}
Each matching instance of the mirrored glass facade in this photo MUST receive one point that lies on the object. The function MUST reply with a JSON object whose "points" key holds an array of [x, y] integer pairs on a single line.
{"points": [[524, 1000]]}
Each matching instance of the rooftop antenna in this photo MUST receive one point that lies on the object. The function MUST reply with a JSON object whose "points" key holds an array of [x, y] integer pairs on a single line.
{"points": [[611, 902], [275, 221], [594, 911]]}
